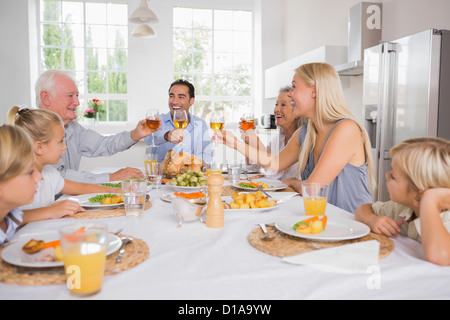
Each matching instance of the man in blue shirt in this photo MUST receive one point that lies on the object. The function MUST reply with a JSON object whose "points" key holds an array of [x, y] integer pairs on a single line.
{"points": [[195, 137]]}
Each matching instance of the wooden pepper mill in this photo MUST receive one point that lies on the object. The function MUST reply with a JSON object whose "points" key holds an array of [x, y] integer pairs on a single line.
{"points": [[214, 210]]}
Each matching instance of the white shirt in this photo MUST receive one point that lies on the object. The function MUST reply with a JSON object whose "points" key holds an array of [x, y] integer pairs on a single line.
{"points": [[13, 220], [51, 184]]}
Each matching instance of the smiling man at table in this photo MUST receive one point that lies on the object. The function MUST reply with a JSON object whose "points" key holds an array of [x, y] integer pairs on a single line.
{"points": [[195, 137], [57, 91]]}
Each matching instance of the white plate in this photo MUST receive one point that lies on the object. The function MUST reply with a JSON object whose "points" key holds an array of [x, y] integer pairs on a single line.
{"points": [[83, 200], [167, 197], [272, 184], [185, 189], [13, 253], [275, 196], [337, 229]]}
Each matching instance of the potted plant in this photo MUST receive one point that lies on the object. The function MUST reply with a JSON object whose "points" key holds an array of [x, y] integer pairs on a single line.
{"points": [[97, 106], [89, 114]]}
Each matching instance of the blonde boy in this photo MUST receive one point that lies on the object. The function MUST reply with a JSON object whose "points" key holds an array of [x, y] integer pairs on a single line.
{"points": [[419, 188]]}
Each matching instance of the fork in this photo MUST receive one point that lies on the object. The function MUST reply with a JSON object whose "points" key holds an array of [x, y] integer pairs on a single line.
{"points": [[266, 236], [246, 175], [260, 188]]}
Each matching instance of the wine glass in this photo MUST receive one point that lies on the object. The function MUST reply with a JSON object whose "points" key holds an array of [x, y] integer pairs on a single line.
{"points": [[247, 121], [217, 122], [153, 122], [180, 119]]}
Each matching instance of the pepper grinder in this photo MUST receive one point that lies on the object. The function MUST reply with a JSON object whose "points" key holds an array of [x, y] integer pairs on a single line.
{"points": [[215, 208]]}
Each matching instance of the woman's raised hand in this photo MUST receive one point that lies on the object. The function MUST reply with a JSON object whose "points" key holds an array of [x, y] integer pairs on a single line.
{"points": [[226, 137]]}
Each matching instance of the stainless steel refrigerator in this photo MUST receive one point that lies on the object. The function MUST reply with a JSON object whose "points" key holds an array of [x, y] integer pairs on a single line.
{"points": [[406, 94]]}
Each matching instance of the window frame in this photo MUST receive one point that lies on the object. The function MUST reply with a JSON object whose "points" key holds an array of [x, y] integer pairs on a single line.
{"points": [[85, 97], [250, 99]]}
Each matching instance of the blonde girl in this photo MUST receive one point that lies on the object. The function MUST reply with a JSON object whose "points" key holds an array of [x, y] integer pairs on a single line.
{"points": [[46, 129], [18, 178], [419, 188], [332, 148]]}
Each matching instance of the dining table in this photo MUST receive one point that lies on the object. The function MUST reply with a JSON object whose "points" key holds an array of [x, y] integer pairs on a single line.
{"points": [[197, 262]]}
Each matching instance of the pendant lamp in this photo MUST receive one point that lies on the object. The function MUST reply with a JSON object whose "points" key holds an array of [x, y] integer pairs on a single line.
{"points": [[143, 14], [143, 31]]}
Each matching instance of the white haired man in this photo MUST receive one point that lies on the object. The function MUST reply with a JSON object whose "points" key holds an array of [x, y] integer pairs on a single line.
{"points": [[57, 91]]}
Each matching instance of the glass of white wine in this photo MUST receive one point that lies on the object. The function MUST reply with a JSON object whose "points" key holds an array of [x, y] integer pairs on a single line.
{"points": [[217, 122], [153, 122], [180, 120]]}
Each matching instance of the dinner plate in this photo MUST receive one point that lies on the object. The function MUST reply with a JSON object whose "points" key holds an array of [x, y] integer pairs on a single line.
{"points": [[185, 189], [337, 229], [273, 185], [83, 200], [282, 197], [167, 197], [13, 253], [113, 184], [277, 196]]}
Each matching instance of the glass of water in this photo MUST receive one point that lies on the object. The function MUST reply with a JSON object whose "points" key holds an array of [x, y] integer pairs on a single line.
{"points": [[155, 173], [234, 171], [134, 193]]}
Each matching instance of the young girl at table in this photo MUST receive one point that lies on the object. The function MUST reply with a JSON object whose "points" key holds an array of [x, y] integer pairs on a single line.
{"points": [[332, 148], [18, 178], [47, 132], [419, 188]]}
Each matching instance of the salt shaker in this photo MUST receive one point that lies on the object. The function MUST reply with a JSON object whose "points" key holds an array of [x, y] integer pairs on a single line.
{"points": [[215, 208]]}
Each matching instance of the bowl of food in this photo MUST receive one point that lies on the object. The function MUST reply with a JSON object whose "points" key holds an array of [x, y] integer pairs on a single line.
{"points": [[189, 208], [188, 180]]}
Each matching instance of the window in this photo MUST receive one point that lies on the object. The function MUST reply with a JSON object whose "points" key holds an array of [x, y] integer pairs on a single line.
{"points": [[213, 49], [91, 40]]}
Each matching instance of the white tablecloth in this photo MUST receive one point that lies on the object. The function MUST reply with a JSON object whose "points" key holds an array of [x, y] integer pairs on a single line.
{"points": [[197, 262]]}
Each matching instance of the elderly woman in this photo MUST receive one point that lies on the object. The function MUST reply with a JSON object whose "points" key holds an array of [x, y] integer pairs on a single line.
{"points": [[287, 123]]}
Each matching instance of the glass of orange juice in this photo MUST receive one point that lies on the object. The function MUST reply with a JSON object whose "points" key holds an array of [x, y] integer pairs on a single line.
{"points": [[84, 251], [213, 168], [315, 197]]}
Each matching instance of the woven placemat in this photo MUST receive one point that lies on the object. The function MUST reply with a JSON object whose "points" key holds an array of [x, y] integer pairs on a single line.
{"points": [[99, 214], [228, 190], [136, 252], [284, 245]]}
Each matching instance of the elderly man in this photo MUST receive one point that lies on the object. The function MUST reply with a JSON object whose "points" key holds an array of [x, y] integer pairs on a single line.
{"points": [[195, 137], [57, 91]]}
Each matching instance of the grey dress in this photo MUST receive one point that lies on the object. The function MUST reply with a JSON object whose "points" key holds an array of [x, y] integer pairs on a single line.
{"points": [[350, 188]]}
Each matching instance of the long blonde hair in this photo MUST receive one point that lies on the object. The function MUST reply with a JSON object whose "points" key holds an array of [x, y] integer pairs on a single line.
{"points": [[330, 107], [425, 162], [38, 123], [16, 152]]}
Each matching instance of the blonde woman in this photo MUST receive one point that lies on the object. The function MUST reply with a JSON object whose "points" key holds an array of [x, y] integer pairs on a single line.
{"points": [[18, 178], [46, 129], [332, 148], [419, 188]]}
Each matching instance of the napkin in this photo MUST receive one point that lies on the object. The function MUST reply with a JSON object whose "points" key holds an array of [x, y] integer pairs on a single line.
{"points": [[349, 258]]}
